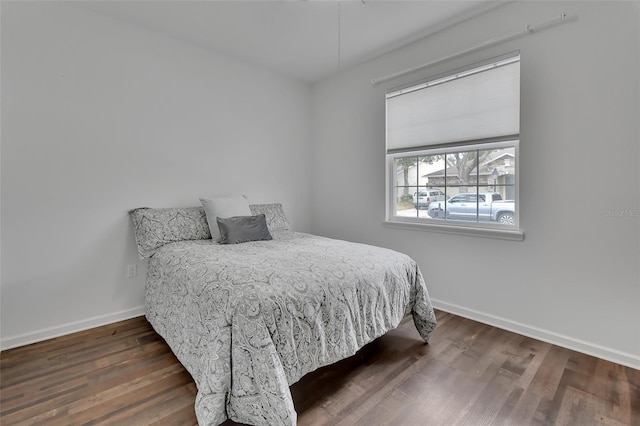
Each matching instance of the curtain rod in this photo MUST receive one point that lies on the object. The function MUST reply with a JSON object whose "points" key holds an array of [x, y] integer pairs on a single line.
{"points": [[528, 29]]}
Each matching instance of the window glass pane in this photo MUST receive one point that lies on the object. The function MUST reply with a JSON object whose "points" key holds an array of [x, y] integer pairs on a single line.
{"points": [[406, 185], [431, 172], [406, 173], [498, 172], [436, 209], [462, 206], [462, 170], [472, 185], [405, 201]]}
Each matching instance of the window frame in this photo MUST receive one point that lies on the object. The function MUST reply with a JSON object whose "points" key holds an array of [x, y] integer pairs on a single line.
{"points": [[461, 227]]}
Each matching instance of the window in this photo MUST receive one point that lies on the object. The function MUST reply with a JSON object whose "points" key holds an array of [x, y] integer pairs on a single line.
{"points": [[452, 148]]}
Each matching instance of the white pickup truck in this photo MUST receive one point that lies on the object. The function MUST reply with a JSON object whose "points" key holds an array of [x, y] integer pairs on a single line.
{"points": [[485, 206]]}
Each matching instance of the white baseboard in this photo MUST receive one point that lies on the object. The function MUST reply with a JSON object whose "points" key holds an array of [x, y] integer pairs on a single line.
{"points": [[72, 327], [623, 358]]}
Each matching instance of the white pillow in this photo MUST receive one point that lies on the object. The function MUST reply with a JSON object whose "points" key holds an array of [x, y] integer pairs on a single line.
{"points": [[223, 207]]}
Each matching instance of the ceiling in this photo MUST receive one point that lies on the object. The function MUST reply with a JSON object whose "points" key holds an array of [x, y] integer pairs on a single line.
{"points": [[305, 40]]}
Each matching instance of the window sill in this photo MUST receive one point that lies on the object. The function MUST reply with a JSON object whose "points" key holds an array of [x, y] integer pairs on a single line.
{"points": [[472, 231]]}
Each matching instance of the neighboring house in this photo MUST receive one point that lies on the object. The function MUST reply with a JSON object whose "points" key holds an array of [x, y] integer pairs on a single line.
{"points": [[496, 173]]}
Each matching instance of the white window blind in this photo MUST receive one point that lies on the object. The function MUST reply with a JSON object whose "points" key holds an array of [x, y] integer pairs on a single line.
{"points": [[479, 103]]}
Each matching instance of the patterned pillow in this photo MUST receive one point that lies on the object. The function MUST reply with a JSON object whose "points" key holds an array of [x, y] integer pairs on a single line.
{"points": [[156, 227], [276, 219]]}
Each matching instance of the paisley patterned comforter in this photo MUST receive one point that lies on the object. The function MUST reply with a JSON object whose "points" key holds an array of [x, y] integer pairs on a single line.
{"points": [[250, 319]]}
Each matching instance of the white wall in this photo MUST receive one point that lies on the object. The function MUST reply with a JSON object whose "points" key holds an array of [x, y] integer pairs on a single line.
{"points": [[99, 117], [575, 279]]}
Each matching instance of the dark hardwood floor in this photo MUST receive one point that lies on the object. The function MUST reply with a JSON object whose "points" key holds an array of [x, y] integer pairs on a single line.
{"points": [[469, 374]]}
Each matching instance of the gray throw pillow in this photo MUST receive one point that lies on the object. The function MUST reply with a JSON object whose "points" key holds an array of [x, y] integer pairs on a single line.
{"points": [[241, 229]]}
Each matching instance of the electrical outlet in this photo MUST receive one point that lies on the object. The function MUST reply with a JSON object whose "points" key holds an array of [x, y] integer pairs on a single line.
{"points": [[132, 271]]}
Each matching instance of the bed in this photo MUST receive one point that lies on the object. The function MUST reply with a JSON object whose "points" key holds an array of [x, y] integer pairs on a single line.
{"points": [[248, 320]]}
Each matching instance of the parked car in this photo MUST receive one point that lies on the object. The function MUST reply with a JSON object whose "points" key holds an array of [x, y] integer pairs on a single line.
{"points": [[486, 206], [424, 197]]}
